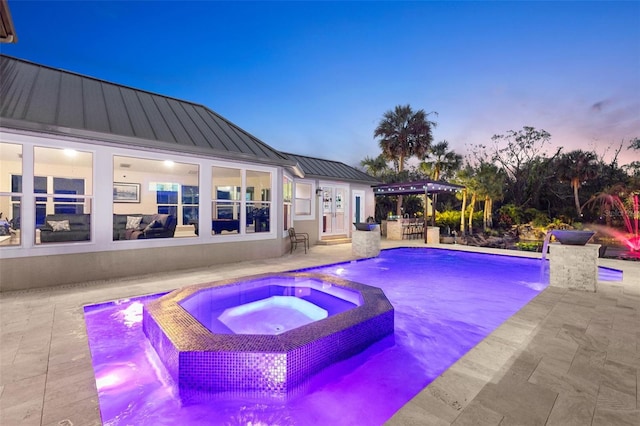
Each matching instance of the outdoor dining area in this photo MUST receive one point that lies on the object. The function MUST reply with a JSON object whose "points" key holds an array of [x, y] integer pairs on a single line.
{"points": [[407, 228]]}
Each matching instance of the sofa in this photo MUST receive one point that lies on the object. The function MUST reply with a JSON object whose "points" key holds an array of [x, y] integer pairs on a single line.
{"points": [[143, 226], [65, 227], [219, 225]]}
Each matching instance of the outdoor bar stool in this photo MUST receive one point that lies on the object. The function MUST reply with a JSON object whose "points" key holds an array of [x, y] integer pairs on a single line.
{"points": [[406, 230], [418, 229]]}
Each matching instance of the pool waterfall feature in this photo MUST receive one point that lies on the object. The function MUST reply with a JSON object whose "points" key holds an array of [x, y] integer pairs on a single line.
{"points": [[192, 331], [572, 262]]}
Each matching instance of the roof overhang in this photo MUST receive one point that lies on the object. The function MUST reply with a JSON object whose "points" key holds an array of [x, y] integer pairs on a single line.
{"points": [[418, 187], [38, 130], [7, 30]]}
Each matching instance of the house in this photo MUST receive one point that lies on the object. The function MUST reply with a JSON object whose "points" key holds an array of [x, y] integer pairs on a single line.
{"points": [[101, 180]]}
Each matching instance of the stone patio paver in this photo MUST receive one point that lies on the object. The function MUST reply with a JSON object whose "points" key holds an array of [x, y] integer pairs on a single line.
{"points": [[565, 358]]}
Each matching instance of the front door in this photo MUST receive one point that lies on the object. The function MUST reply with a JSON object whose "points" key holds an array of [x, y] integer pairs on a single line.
{"points": [[334, 210], [357, 206]]}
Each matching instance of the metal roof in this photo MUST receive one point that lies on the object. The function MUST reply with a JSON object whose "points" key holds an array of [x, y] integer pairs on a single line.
{"points": [[417, 187], [40, 98], [327, 169]]}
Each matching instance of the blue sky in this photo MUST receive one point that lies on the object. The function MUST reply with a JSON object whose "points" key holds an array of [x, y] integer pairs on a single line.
{"points": [[314, 78]]}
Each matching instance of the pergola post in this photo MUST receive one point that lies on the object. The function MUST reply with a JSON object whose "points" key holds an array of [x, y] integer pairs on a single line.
{"points": [[426, 210]]}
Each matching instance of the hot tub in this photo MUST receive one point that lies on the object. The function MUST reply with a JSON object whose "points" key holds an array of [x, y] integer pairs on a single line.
{"points": [[265, 334]]}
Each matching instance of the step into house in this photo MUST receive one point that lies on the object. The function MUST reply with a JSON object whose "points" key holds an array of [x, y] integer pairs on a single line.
{"points": [[333, 240]]}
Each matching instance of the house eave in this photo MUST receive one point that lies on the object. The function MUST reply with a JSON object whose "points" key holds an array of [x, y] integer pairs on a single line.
{"points": [[343, 179], [7, 29], [38, 129]]}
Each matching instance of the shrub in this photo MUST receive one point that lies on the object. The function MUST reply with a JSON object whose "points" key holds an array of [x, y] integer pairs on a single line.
{"points": [[537, 218], [449, 219], [510, 214], [529, 246]]}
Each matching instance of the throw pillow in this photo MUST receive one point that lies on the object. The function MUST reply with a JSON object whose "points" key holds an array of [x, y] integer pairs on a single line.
{"points": [[59, 225], [133, 222], [153, 225]]}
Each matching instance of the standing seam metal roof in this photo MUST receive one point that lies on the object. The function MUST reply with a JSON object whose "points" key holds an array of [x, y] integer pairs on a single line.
{"points": [[37, 97], [64, 100], [328, 169]]}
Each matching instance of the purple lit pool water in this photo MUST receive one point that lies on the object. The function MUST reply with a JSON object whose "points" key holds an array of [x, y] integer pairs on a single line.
{"points": [[273, 315], [445, 303]]}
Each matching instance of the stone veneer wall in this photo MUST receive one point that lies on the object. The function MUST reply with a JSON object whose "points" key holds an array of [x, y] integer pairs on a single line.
{"points": [[366, 243], [573, 267]]}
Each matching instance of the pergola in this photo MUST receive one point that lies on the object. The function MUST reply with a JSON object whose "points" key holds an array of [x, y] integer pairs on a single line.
{"points": [[418, 187], [426, 186]]}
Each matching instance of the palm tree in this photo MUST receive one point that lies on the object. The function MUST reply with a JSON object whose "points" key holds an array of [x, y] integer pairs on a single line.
{"points": [[577, 167], [376, 167], [440, 162], [404, 133], [468, 177], [490, 183], [465, 177]]}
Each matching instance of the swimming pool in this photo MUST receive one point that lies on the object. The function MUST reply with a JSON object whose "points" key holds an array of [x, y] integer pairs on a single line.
{"points": [[445, 303]]}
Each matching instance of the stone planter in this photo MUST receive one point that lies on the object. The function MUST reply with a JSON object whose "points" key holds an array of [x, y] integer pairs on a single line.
{"points": [[366, 243], [573, 266]]}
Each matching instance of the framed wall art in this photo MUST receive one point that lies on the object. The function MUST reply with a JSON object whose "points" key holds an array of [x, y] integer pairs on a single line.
{"points": [[126, 192]]}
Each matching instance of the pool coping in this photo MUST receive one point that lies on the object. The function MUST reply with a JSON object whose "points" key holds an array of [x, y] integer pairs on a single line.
{"points": [[46, 375], [515, 375]]}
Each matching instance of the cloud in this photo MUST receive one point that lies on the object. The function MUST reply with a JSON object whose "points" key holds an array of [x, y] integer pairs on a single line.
{"points": [[598, 106]]}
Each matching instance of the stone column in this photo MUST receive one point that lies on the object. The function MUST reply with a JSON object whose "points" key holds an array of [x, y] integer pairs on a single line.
{"points": [[574, 267], [433, 235], [366, 243]]}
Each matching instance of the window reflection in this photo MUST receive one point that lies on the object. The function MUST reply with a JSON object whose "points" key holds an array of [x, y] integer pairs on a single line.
{"points": [[10, 194], [65, 178], [154, 198]]}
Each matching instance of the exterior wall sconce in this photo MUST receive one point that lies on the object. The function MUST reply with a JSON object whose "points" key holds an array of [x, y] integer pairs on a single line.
{"points": [[319, 192]]}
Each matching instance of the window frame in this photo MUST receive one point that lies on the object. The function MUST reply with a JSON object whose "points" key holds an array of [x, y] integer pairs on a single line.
{"points": [[312, 200]]}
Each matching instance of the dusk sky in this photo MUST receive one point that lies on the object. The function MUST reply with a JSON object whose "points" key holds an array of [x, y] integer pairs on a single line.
{"points": [[315, 78]]}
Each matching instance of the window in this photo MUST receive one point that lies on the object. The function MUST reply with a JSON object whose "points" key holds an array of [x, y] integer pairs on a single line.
{"points": [[287, 195], [190, 202], [303, 198], [241, 201], [166, 197], [65, 178], [258, 201], [226, 200], [68, 187], [10, 193], [149, 187]]}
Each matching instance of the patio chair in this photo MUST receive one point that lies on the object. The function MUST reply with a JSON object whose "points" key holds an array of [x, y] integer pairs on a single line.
{"points": [[298, 237]]}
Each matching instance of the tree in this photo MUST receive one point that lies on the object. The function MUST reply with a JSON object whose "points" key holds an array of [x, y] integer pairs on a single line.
{"points": [[489, 185], [403, 134], [633, 168], [465, 178], [522, 156], [376, 167], [439, 162], [577, 167]]}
